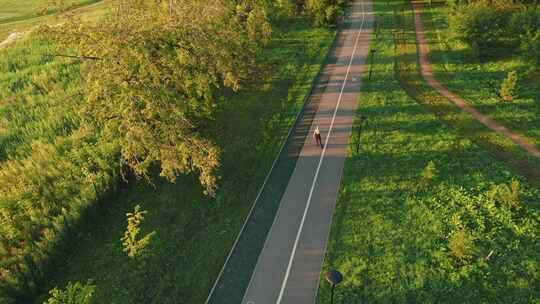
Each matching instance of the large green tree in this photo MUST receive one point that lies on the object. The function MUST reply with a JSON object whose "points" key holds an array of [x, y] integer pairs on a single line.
{"points": [[154, 73]]}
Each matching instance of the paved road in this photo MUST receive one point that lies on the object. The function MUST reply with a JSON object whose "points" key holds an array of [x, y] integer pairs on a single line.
{"points": [[288, 268], [427, 73]]}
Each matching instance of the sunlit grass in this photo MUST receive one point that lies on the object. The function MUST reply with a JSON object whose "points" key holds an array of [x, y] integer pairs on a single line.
{"points": [[12, 10], [479, 81], [195, 233], [89, 10], [397, 241]]}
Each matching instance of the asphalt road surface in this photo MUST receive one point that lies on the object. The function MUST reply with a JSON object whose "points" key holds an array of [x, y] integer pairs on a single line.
{"points": [[288, 267]]}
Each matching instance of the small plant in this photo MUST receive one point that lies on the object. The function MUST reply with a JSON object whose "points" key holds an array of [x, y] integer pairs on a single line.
{"points": [[428, 175], [508, 194], [509, 86], [461, 245], [76, 293], [134, 246]]}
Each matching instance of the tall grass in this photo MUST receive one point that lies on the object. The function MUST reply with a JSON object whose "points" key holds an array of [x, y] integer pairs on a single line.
{"points": [[60, 180], [39, 97]]}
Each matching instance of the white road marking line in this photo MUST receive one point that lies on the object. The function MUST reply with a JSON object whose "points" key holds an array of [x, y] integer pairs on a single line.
{"points": [[256, 199], [329, 230], [287, 273]]}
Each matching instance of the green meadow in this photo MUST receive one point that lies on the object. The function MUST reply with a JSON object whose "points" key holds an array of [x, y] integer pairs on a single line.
{"points": [[40, 96], [13, 10], [433, 206], [424, 214], [478, 80], [21, 16]]}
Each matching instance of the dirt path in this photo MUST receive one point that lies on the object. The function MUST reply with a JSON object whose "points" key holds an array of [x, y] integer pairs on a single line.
{"points": [[427, 73]]}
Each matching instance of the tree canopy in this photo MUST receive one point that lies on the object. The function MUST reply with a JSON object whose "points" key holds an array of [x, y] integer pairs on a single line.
{"points": [[154, 72]]}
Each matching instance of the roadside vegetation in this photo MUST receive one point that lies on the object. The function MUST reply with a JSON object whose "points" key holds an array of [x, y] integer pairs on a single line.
{"points": [[475, 48], [88, 126], [425, 214]]}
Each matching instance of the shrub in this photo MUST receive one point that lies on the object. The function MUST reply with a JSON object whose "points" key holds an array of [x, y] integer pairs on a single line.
{"points": [[526, 20], [428, 175], [526, 25], [530, 48], [509, 86], [483, 27], [135, 246], [287, 8], [325, 12], [73, 294], [461, 245], [507, 195]]}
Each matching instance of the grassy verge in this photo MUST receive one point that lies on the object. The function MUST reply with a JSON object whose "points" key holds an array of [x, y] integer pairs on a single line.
{"points": [[408, 232], [478, 82], [194, 233]]}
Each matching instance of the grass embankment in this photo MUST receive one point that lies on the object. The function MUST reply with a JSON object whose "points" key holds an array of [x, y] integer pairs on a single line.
{"points": [[408, 73], [38, 97], [405, 233], [194, 233], [23, 15], [479, 81]]}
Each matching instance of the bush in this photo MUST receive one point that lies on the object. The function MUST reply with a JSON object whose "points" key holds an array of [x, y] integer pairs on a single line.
{"points": [[509, 86], [73, 294], [526, 20], [43, 200], [325, 12], [461, 245], [483, 27], [136, 246], [526, 25], [285, 8], [428, 175], [507, 195], [530, 48]]}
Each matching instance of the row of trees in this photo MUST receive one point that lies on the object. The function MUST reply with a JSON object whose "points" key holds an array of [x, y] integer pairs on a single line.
{"points": [[155, 73], [322, 12], [491, 29]]}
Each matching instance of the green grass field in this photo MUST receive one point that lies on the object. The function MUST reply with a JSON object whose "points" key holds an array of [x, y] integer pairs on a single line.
{"points": [[194, 233], [407, 72], [13, 10], [38, 97], [458, 233], [478, 82], [404, 234], [23, 15]]}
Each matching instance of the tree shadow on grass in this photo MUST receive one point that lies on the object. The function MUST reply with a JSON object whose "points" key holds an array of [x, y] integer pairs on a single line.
{"points": [[194, 232]]}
